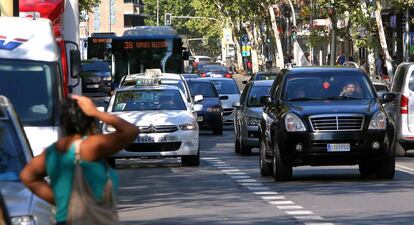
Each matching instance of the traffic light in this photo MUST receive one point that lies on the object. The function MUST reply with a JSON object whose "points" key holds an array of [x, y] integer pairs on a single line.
{"points": [[167, 19]]}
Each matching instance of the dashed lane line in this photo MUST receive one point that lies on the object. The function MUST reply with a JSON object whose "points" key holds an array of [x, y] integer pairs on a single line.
{"points": [[272, 197]]}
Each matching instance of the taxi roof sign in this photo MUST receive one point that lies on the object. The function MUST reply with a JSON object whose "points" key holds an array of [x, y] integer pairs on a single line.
{"points": [[145, 81], [153, 72]]}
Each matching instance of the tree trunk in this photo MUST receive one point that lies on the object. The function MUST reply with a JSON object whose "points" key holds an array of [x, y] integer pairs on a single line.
{"points": [[371, 56], [383, 40], [279, 55]]}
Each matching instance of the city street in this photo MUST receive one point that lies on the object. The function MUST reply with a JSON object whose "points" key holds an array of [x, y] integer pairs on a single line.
{"points": [[228, 189]]}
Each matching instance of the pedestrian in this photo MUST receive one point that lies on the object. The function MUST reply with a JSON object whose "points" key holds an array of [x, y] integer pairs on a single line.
{"points": [[340, 60], [80, 153], [305, 60], [378, 65]]}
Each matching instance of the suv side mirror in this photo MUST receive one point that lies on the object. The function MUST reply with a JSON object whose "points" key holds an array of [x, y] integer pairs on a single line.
{"points": [[388, 97], [75, 63], [265, 100], [198, 98], [186, 55]]}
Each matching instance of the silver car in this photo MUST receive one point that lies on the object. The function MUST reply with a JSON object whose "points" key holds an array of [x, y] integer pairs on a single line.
{"points": [[247, 114], [402, 110], [24, 207], [227, 87]]}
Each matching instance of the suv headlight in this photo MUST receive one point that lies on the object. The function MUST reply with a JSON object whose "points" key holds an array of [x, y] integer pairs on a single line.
{"points": [[252, 121], [107, 78], [188, 126], [293, 123], [378, 121], [22, 220]]}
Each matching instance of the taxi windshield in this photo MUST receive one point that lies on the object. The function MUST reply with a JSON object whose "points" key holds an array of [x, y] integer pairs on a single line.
{"points": [[29, 87], [12, 158], [146, 100], [327, 86]]}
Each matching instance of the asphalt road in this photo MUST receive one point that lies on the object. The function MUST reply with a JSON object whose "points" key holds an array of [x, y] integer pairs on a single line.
{"points": [[228, 189]]}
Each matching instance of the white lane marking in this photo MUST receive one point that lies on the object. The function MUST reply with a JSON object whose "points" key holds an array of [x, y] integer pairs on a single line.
{"points": [[239, 177], [405, 169], [267, 198], [209, 158], [235, 173], [281, 202], [247, 180], [308, 217], [251, 184], [302, 212], [319, 224], [266, 193], [234, 170], [289, 207], [258, 188]]}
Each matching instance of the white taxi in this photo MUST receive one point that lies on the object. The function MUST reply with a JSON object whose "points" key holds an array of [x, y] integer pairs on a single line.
{"points": [[167, 123]]}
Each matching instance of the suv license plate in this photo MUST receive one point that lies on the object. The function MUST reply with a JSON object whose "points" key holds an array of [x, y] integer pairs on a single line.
{"points": [[339, 147]]}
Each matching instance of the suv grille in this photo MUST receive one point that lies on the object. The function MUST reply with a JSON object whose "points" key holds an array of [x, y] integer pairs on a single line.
{"points": [[337, 122], [158, 129], [227, 111]]}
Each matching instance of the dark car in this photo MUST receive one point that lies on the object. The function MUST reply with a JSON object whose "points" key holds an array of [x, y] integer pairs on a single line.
{"points": [[262, 76], [96, 76], [326, 116], [247, 114], [213, 70], [4, 214], [209, 110]]}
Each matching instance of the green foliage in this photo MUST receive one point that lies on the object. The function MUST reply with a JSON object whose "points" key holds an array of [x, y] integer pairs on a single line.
{"points": [[87, 5]]}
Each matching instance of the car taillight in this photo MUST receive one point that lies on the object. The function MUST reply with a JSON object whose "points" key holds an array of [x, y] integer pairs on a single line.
{"points": [[203, 75], [227, 75], [404, 105]]}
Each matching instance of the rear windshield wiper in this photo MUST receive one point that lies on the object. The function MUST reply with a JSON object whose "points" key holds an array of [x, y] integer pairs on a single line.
{"points": [[343, 97]]}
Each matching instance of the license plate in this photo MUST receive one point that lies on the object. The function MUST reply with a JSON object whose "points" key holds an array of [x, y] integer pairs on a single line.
{"points": [[200, 118], [156, 139], [216, 75], [93, 86], [339, 147]]}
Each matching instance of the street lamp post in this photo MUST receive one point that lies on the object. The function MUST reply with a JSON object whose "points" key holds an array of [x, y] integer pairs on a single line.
{"points": [[158, 13]]}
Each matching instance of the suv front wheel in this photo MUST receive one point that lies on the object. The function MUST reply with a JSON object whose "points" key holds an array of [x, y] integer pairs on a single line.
{"points": [[281, 171]]}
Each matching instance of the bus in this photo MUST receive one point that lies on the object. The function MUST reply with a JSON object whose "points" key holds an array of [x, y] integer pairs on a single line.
{"points": [[99, 46], [147, 47]]}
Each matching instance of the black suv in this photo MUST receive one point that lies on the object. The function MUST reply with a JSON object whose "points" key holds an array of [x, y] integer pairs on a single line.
{"points": [[326, 116], [96, 76]]}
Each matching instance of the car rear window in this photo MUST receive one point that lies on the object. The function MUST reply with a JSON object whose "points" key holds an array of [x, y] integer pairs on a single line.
{"points": [[95, 66], [227, 86], [380, 87], [215, 69], [207, 90], [266, 76]]}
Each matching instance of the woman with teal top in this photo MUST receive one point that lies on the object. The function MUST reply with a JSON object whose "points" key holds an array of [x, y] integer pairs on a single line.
{"points": [[78, 115]]}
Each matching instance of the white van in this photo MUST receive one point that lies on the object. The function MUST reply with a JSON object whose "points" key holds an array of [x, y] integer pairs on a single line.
{"points": [[402, 110]]}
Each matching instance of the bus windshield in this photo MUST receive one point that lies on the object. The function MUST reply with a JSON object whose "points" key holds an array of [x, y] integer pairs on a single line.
{"points": [[132, 55], [28, 85]]}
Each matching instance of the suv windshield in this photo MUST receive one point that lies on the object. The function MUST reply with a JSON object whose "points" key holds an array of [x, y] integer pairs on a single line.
{"points": [[141, 100], [207, 90], [325, 86], [12, 158], [227, 86], [255, 93], [29, 86]]}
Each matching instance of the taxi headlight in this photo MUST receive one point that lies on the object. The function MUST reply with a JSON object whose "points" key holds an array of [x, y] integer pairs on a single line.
{"points": [[22, 220], [213, 109], [188, 126], [378, 121], [109, 129], [293, 123], [252, 121]]}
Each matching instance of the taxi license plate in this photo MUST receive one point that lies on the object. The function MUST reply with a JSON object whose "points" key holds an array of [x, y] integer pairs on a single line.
{"points": [[200, 118], [93, 86], [151, 139], [339, 147]]}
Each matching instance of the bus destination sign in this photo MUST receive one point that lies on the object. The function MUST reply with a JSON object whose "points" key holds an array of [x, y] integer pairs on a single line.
{"points": [[101, 40], [144, 44]]}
